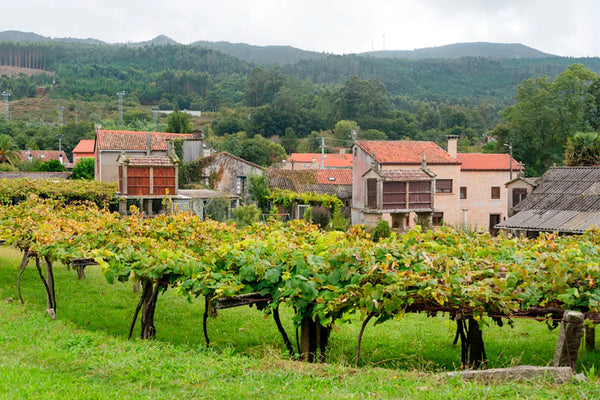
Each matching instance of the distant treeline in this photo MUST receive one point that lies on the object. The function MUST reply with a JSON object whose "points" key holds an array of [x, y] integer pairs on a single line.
{"points": [[209, 79]]}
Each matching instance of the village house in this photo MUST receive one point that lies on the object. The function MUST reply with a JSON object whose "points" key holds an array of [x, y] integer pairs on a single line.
{"points": [[109, 145], [327, 181], [45, 155], [404, 182], [229, 174], [85, 148], [564, 200]]}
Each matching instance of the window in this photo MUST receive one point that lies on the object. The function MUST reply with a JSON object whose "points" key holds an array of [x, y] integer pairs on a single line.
{"points": [[302, 210], [495, 192], [437, 218], [463, 192], [240, 185], [518, 195], [443, 185]]}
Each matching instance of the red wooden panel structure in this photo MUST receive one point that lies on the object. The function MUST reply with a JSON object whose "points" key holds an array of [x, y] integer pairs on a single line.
{"points": [[164, 180]]}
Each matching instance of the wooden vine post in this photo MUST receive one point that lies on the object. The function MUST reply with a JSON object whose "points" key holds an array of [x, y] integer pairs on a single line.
{"points": [[590, 337]]}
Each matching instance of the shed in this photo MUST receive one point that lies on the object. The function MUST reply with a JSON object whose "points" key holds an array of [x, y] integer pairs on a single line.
{"points": [[565, 200]]}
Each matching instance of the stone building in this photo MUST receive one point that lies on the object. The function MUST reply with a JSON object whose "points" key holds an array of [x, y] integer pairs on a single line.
{"points": [[403, 181], [229, 174]]}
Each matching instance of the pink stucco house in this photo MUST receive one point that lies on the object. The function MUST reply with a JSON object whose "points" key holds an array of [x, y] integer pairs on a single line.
{"points": [[404, 181]]}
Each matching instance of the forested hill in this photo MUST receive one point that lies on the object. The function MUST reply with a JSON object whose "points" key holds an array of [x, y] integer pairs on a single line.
{"points": [[457, 50], [162, 70], [289, 55], [279, 55], [18, 36], [472, 78], [262, 54]]}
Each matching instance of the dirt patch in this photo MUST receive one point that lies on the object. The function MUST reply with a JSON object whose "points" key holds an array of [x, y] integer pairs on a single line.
{"points": [[12, 71]]}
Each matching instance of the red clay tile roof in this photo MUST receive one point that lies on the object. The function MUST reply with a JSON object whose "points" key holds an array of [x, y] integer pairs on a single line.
{"points": [[150, 161], [129, 140], [85, 146], [487, 162], [406, 152], [331, 160], [335, 176], [44, 155]]}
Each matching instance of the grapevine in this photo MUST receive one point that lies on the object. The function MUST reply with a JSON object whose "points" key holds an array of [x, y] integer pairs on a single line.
{"points": [[324, 276]]}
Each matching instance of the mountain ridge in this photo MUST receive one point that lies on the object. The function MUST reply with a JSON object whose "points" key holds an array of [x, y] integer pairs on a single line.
{"points": [[285, 54]]}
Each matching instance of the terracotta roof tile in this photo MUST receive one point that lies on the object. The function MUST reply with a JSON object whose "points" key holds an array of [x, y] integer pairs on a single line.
{"points": [[44, 155], [406, 152], [130, 140], [487, 162], [335, 176], [331, 160], [85, 146]]}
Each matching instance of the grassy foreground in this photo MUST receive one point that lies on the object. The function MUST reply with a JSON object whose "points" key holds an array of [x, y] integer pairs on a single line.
{"points": [[84, 353]]}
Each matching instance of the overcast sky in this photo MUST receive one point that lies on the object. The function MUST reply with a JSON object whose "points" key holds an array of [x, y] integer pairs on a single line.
{"points": [[567, 28]]}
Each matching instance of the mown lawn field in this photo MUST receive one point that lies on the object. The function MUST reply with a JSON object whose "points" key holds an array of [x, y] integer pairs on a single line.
{"points": [[85, 354]]}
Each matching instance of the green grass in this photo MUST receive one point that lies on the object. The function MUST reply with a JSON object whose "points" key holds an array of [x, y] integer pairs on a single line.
{"points": [[84, 353]]}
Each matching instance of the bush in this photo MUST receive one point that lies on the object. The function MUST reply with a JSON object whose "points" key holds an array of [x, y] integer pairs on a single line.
{"points": [[51, 166], [84, 169], [339, 222], [381, 231], [6, 167], [216, 209], [320, 216], [30, 166], [246, 215]]}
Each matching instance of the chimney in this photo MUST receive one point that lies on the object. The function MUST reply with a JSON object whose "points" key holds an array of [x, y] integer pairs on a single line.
{"points": [[60, 158], [148, 144], [197, 134], [452, 145]]}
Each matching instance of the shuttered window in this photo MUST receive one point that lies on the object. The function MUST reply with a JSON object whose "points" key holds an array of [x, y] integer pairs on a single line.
{"points": [[443, 185], [495, 192]]}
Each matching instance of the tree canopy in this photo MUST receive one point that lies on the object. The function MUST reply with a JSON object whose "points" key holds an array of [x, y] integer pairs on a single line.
{"points": [[545, 115]]}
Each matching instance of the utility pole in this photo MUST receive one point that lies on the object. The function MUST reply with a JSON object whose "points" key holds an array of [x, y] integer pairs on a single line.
{"points": [[510, 149], [5, 95], [60, 137], [155, 114], [120, 95], [322, 153], [60, 111]]}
